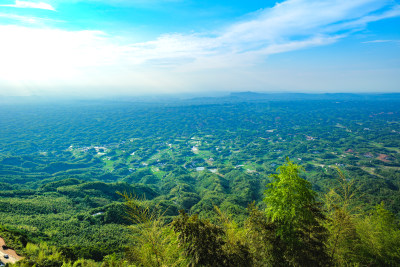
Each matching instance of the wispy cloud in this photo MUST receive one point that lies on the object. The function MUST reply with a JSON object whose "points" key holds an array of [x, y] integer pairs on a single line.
{"points": [[381, 41], [288, 26], [27, 4], [30, 20], [48, 57]]}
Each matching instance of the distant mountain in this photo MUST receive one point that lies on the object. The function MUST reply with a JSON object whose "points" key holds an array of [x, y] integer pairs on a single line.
{"points": [[305, 96], [176, 99], [261, 97]]}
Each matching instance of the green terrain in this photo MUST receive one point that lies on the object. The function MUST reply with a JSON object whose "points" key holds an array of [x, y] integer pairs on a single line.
{"points": [[65, 168]]}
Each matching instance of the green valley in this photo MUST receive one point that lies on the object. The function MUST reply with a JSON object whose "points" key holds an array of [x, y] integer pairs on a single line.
{"points": [[68, 170]]}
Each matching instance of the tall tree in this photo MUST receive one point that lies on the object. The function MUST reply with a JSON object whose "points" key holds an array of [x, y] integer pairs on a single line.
{"points": [[343, 241], [156, 244], [380, 238], [207, 244], [297, 216], [203, 241]]}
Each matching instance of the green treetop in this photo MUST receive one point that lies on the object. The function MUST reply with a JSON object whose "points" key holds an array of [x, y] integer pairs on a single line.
{"points": [[289, 198], [297, 217]]}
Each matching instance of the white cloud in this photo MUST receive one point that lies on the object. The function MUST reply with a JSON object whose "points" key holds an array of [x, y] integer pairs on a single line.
{"points": [[125, 3], [302, 19], [288, 26], [29, 19], [379, 41], [26, 4], [225, 58]]}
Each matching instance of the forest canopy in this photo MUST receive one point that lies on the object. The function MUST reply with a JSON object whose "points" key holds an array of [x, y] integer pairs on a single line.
{"points": [[216, 168]]}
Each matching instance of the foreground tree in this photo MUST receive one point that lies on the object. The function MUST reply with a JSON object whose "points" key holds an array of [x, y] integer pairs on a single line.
{"points": [[202, 240], [155, 242], [208, 244], [380, 238], [343, 241], [296, 219], [264, 245]]}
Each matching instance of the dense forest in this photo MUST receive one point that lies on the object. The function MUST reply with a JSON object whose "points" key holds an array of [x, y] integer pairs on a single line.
{"points": [[244, 180]]}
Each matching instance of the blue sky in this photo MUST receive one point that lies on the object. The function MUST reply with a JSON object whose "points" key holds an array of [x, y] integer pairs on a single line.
{"points": [[135, 47]]}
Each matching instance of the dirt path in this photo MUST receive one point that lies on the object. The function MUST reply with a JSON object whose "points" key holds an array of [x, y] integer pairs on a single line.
{"points": [[13, 256]]}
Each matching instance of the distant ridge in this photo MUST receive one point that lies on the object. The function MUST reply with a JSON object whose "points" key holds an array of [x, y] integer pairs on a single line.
{"points": [[232, 97], [305, 96], [235, 97]]}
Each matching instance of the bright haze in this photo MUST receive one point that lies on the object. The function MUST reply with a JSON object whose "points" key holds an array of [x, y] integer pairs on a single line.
{"points": [[136, 47]]}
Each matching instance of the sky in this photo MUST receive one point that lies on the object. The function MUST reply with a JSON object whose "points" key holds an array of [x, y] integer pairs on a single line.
{"points": [[142, 47]]}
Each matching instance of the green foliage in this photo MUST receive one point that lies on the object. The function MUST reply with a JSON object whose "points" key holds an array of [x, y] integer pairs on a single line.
{"points": [[236, 246], [266, 248], [380, 238], [109, 190], [288, 199], [41, 255], [207, 244], [61, 165], [116, 213], [297, 217], [342, 213], [202, 240], [52, 186], [14, 238], [155, 244]]}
